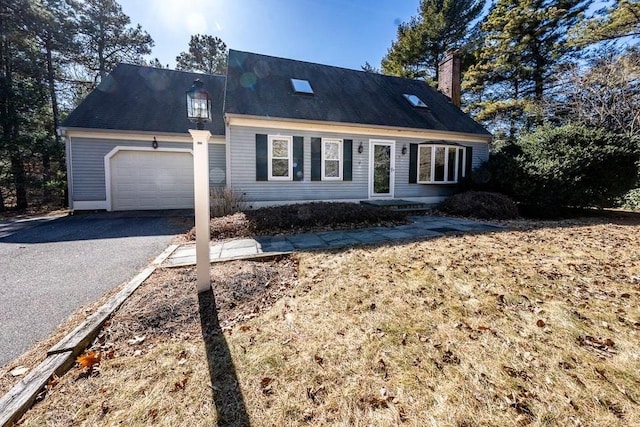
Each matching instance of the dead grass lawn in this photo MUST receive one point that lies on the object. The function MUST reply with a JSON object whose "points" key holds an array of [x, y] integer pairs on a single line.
{"points": [[533, 326]]}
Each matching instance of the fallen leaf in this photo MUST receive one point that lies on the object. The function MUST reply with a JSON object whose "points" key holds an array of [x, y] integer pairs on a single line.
{"points": [[88, 359], [514, 373], [180, 385], [319, 360], [540, 323], [266, 385], [449, 357], [137, 340], [20, 370]]}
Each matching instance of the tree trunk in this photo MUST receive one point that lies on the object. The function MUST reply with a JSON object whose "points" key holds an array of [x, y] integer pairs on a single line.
{"points": [[46, 158], [19, 180]]}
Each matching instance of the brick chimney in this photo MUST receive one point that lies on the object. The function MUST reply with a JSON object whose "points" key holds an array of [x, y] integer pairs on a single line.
{"points": [[449, 76]]}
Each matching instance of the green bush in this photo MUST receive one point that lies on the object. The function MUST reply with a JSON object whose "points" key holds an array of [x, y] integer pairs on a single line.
{"points": [[631, 200], [480, 204], [568, 166]]}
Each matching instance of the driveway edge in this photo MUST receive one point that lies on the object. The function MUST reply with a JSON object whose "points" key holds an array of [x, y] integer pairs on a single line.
{"points": [[60, 358]]}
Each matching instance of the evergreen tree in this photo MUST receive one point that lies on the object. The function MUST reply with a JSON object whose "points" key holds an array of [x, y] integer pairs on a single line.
{"points": [[524, 46], [617, 20], [53, 27], [107, 38], [422, 41], [207, 54], [370, 68], [24, 112]]}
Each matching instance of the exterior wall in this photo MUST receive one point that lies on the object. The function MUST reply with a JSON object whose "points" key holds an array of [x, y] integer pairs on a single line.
{"points": [[86, 163], [242, 167]]}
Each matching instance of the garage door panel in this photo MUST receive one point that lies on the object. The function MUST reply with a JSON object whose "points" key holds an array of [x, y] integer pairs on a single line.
{"points": [[149, 180]]}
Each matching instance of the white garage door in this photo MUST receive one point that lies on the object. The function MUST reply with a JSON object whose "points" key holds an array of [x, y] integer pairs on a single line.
{"points": [[146, 180]]}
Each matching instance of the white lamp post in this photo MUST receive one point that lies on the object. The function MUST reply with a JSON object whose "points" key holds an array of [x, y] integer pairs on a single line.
{"points": [[199, 112]]}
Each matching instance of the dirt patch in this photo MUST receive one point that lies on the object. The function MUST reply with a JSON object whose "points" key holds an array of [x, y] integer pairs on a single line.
{"points": [[167, 304]]}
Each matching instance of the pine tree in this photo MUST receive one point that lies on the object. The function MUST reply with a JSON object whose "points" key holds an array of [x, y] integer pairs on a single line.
{"points": [[422, 41], [618, 20], [524, 45], [207, 54], [24, 112], [107, 38]]}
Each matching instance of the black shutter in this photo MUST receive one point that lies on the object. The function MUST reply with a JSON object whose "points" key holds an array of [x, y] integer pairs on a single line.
{"points": [[316, 159], [262, 158], [298, 158], [468, 166], [347, 159], [413, 163]]}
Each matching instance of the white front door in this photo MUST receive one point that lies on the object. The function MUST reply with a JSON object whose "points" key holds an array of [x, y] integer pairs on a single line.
{"points": [[381, 168]]}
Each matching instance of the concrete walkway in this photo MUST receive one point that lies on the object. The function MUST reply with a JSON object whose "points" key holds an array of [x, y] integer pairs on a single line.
{"points": [[421, 227]]}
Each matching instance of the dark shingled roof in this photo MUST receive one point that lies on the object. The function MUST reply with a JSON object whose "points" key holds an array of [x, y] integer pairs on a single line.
{"points": [[138, 98], [260, 85]]}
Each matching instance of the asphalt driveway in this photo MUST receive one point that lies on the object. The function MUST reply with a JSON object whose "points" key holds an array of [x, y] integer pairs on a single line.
{"points": [[51, 267]]}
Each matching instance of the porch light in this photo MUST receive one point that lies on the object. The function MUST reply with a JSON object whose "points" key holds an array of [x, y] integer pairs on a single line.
{"points": [[404, 149], [198, 104], [360, 148]]}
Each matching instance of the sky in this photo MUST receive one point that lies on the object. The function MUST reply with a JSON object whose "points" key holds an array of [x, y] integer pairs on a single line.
{"points": [[343, 33]]}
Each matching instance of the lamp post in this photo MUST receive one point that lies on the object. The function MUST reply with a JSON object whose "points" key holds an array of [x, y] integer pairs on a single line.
{"points": [[199, 112]]}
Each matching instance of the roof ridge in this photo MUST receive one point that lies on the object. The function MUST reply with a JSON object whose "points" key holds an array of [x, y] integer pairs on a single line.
{"points": [[169, 69], [333, 66]]}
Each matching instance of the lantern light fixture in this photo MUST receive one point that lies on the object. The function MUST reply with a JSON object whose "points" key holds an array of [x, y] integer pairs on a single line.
{"points": [[198, 104], [404, 149], [360, 148]]}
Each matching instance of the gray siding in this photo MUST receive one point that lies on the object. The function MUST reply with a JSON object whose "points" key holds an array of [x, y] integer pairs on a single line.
{"points": [[87, 162], [243, 169]]}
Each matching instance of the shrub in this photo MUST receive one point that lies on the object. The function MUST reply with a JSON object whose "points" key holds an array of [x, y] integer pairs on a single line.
{"points": [[226, 201], [321, 214], [631, 200], [480, 204], [566, 166]]}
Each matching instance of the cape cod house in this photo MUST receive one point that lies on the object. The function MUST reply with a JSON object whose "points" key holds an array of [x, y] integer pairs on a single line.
{"points": [[284, 131]]}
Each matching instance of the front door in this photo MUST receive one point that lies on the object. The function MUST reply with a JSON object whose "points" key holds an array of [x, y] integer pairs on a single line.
{"points": [[381, 168]]}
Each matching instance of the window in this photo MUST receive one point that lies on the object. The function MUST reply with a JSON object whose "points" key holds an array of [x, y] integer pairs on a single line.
{"points": [[280, 154], [414, 100], [440, 164], [331, 159], [302, 86]]}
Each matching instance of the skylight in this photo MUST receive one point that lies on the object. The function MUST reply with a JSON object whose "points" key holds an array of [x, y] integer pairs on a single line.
{"points": [[415, 101], [301, 86]]}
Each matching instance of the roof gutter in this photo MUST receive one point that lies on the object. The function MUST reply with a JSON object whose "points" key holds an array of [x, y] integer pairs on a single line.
{"points": [[232, 119]]}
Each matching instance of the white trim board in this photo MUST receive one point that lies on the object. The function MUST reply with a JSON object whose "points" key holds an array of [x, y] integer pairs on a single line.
{"points": [[110, 154], [147, 137], [351, 128], [89, 205]]}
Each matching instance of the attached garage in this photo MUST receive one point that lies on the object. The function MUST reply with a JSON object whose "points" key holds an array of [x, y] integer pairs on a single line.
{"points": [[139, 179]]}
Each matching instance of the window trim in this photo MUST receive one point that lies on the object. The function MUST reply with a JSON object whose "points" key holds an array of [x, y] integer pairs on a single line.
{"points": [[457, 172], [270, 157], [340, 159]]}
